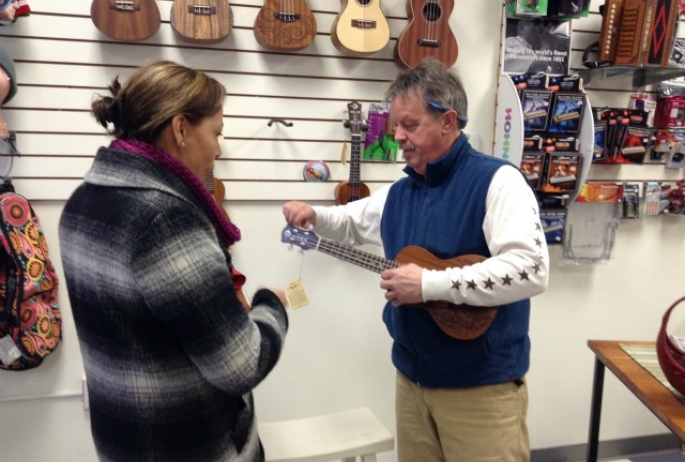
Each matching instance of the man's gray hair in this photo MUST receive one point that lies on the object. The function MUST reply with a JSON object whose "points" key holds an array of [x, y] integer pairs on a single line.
{"points": [[435, 83]]}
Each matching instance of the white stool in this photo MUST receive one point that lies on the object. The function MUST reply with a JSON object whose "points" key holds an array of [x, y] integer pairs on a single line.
{"points": [[342, 435]]}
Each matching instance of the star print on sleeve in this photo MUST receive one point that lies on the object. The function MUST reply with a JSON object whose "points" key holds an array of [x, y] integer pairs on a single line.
{"points": [[471, 284], [456, 285], [524, 275], [489, 284], [506, 280]]}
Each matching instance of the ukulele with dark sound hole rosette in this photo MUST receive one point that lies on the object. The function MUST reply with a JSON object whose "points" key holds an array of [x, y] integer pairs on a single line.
{"points": [[427, 35]]}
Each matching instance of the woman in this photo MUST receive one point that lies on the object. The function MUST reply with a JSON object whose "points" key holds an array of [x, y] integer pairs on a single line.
{"points": [[171, 355]]}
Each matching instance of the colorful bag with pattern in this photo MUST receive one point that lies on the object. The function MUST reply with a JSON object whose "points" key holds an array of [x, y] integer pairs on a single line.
{"points": [[30, 318]]}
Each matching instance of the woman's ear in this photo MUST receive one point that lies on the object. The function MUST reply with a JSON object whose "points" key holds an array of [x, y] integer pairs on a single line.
{"points": [[179, 126]]}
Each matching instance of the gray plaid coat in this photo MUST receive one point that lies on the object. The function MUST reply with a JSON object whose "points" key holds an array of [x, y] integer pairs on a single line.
{"points": [[171, 356]]}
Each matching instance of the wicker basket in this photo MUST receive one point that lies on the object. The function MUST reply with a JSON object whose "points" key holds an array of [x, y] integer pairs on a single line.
{"points": [[671, 358]]}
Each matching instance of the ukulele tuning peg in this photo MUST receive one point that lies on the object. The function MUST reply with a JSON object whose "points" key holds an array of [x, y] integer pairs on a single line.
{"points": [[346, 123]]}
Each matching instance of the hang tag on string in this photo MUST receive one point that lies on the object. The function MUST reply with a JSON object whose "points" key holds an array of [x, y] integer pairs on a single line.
{"points": [[344, 153], [295, 290]]}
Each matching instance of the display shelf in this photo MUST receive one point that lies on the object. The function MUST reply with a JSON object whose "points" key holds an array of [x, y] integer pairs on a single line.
{"points": [[508, 143], [612, 77]]}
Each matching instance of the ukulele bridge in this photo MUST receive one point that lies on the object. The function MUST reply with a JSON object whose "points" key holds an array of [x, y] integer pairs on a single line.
{"points": [[124, 5], [287, 17], [363, 24], [202, 10], [431, 43]]}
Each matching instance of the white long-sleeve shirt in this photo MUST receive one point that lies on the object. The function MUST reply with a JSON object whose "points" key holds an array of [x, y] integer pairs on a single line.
{"points": [[512, 230]]}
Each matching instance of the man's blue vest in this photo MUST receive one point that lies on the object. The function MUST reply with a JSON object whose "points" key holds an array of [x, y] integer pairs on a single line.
{"points": [[444, 214]]}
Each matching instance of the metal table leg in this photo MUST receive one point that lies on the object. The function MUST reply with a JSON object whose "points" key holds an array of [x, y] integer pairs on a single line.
{"points": [[595, 411]]}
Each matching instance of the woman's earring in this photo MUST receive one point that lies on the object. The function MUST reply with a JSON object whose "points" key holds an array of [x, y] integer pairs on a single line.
{"points": [[183, 145]]}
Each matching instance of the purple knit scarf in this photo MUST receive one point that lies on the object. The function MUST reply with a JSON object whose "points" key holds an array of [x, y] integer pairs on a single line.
{"points": [[227, 231]]}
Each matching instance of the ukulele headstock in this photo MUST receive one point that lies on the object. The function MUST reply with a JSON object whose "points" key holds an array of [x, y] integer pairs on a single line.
{"points": [[299, 237], [354, 122]]}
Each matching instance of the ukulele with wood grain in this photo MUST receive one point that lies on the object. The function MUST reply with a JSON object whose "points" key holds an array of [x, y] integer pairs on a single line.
{"points": [[207, 21], [427, 35], [360, 28], [285, 25], [127, 20], [464, 322], [350, 191], [218, 191]]}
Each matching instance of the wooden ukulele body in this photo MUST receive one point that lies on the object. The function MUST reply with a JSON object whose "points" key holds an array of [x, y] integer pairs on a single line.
{"points": [[290, 30], [346, 192], [464, 322], [208, 21], [127, 20], [361, 28], [427, 35]]}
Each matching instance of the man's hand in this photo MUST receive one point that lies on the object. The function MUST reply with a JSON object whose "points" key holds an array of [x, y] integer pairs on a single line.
{"points": [[403, 285], [299, 214]]}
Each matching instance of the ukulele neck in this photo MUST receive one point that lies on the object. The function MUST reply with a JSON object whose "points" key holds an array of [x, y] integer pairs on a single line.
{"points": [[357, 257]]}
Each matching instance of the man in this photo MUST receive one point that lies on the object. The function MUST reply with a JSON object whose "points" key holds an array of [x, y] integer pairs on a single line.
{"points": [[456, 400]]}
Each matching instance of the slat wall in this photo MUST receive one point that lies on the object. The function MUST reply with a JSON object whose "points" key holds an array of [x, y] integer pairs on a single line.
{"points": [[585, 32], [62, 60]]}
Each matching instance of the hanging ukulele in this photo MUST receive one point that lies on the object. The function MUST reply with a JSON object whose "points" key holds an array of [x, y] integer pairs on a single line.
{"points": [[285, 25], [205, 21], [128, 20], [360, 28], [354, 189], [427, 35]]}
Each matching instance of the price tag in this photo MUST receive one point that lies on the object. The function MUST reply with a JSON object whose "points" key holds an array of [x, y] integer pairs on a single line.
{"points": [[296, 294]]}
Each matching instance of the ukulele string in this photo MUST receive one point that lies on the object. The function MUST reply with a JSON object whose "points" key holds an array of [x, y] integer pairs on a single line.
{"points": [[433, 15], [426, 15], [357, 257]]}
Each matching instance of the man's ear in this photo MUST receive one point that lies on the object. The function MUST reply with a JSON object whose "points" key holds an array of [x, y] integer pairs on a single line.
{"points": [[449, 121]]}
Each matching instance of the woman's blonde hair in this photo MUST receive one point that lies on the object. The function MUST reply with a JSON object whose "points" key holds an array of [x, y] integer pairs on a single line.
{"points": [[152, 96]]}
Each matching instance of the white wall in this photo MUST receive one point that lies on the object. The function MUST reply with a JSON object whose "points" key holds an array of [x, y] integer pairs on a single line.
{"points": [[337, 352]]}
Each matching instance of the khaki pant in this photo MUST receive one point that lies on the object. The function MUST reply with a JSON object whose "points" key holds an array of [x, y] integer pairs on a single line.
{"points": [[478, 424]]}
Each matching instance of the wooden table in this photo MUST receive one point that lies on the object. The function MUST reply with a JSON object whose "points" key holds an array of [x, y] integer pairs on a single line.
{"points": [[653, 394]]}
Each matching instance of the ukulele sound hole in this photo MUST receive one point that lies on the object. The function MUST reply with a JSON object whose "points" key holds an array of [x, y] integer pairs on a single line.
{"points": [[286, 17], [364, 2], [432, 12]]}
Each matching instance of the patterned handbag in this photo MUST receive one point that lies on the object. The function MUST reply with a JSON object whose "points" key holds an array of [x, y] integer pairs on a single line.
{"points": [[30, 318]]}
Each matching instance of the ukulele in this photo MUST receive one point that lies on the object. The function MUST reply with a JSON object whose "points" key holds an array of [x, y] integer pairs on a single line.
{"points": [[463, 322], [285, 25], [360, 28], [218, 191], [354, 189], [427, 35], [205, 21], [127, 20]]}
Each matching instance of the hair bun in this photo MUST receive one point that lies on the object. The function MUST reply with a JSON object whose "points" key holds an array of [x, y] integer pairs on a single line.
{"points": [[115, 113]]}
